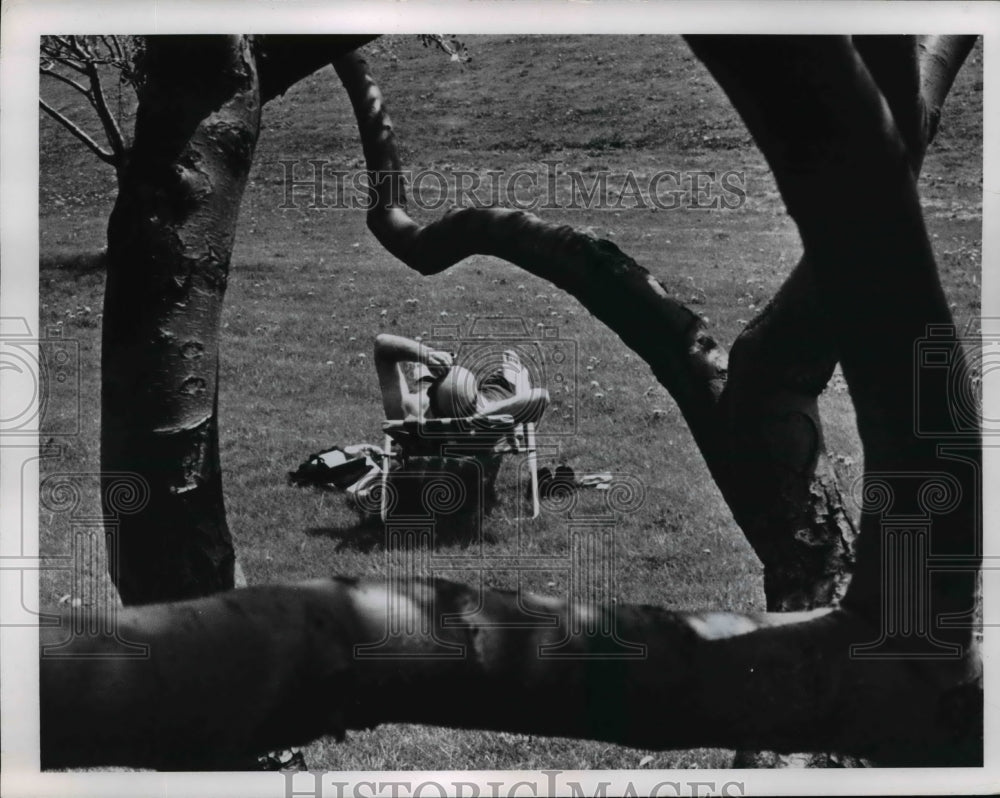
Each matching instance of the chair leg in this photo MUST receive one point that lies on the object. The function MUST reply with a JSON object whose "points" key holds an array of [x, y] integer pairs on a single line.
{"points": [[386, 461], [529, 431]]}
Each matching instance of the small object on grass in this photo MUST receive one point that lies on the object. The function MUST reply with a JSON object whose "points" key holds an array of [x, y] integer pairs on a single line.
{"points": [[337, 466], [555, 483], [558, 482], [286, 759], [600, 481]]}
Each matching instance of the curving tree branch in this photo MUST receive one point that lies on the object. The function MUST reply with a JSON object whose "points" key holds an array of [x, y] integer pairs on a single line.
{"points": [[283, 60], [940, 59], [77, 132], [669, 336], [892, 62], [49, 72], [783, 360], [755, 418], [788, 505]]}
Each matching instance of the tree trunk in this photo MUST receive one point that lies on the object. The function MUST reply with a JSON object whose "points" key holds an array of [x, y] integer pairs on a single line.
{"points": [[850, 236], [170, 237], [784, 358]]}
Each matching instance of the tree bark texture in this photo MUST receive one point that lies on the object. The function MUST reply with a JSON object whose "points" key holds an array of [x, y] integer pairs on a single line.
{"points": [[792, 509], [270, 666], [170, 238], [791, 97]]}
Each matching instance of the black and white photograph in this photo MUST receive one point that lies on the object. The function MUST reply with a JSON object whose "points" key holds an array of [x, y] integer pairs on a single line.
{"points": [[585, 409]]}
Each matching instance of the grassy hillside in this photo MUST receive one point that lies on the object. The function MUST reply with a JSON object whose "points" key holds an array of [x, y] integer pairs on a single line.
{"points": [[310, 288]]}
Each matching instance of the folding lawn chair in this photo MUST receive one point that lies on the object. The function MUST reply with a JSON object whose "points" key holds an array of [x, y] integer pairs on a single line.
{"points": [[479, 437]]}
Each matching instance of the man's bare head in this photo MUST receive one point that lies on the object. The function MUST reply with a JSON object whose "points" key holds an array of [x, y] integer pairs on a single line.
{"points": [[453, 395]]}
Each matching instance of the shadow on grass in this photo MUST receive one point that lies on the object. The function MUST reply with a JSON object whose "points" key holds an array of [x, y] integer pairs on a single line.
{"points": [[371, 534], [73, 262]]}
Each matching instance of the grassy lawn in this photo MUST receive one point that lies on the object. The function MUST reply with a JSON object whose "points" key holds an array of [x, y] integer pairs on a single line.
{"points": [[310, 288]]}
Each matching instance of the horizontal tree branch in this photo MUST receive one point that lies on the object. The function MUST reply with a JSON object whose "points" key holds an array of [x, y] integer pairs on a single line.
{"points": [[264, 667]]}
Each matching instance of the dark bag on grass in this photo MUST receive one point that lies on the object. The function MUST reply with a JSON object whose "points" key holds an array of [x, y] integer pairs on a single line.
{"points": [[333, 468]]}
